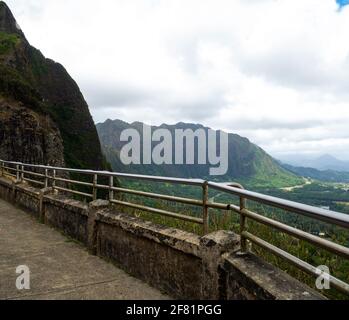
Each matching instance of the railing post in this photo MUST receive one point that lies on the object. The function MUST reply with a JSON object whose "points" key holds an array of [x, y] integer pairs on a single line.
{"points": [[22, 173], [17, 172], [243, 225], [46, 178], [205, 215], [53, 179], [95, 179], [111, 185]]}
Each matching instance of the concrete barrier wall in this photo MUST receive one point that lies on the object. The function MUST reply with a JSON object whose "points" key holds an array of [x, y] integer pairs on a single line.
{"points": [[67, 215], [6, 190], [28, 198], [164, 259], [24, 196], [179, 263], [249, 277]]}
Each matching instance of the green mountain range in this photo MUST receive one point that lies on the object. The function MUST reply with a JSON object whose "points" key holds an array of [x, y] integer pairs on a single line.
{"points": [[248, 163]]}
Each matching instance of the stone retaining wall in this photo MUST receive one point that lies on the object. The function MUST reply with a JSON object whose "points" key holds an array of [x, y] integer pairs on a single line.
{"points": [[181, 264]]}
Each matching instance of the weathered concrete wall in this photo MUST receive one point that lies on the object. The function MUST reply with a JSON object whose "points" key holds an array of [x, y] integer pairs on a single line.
{"points": [[181, 264], [68, 215], [24, 196], [6, 190], [27, 197], [150, 255], [250, 278]]}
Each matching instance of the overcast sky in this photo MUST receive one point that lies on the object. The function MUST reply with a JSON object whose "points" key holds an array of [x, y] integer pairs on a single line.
{"points": [[275, 71]]}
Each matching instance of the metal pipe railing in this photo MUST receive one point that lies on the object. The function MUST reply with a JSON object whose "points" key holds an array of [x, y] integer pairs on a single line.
{"points": [[192, 182], [328, 216], [300, 264], [159, 196], [50, 177]]}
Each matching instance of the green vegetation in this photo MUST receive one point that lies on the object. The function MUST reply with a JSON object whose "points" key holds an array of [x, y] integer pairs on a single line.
{"points": [[14, 86], [317, 193], [8, 42], [38, 68]]}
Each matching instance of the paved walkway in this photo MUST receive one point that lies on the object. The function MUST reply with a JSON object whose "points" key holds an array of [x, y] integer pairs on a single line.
{"points": [[59, 268]]}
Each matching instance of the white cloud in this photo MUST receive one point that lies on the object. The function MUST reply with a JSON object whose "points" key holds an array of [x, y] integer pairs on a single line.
{"points": [[274, 71]]}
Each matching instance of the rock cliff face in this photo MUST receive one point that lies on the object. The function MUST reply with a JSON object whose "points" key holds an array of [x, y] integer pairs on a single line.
{"points": [[28, 136], [42, 110]]}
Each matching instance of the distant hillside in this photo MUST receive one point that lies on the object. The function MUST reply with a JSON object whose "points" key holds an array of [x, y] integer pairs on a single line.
{"points": [[43, 115], [324, 162], [325, 175], [247, 162]]}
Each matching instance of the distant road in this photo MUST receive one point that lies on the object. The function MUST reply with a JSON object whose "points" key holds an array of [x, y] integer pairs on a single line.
{"points": [[306, 182]]}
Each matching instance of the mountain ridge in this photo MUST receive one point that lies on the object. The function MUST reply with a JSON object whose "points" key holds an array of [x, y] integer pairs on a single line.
{"points": [[321, 175], [248, 163], [323, 162]]}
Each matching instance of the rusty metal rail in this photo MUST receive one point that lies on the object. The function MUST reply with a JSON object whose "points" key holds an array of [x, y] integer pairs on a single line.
{"points": [[45, 176]]}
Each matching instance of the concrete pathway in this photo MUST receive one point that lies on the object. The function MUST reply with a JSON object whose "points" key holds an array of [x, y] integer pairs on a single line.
{"points": [[59, 267]]}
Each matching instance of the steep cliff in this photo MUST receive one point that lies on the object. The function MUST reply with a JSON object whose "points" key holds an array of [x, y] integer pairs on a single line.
{"points": [[28, 136], [52, 106]]}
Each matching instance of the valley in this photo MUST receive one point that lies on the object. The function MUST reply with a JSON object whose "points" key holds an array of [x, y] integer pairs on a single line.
{"points": [[249, 165]]}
